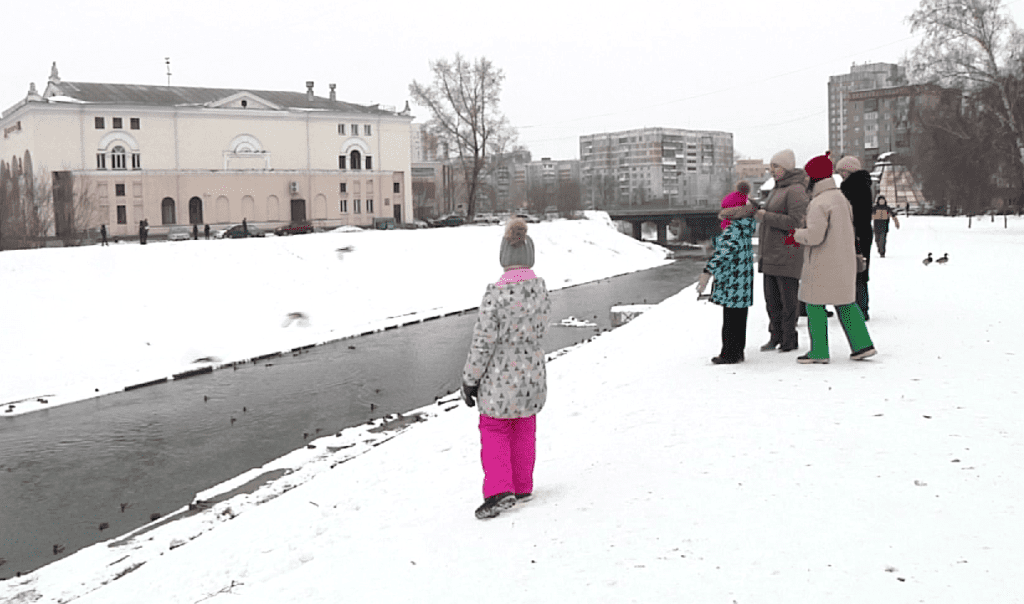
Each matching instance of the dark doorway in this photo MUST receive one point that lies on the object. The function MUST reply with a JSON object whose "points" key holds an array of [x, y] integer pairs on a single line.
{"points": [[195, 211], [298, 210], [167, 211], [398, 213]]}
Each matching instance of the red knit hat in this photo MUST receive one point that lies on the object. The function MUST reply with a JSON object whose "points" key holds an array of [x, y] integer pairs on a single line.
{"points": [[819, 167]]}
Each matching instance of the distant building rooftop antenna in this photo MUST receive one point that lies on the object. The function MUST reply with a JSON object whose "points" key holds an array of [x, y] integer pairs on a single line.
{"points": [[167, 60]]}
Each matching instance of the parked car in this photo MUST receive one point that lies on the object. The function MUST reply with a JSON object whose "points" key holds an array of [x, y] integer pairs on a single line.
{"points": [[528, 217], [450, 220], [238, 232], [296, 228], [179, 233]]}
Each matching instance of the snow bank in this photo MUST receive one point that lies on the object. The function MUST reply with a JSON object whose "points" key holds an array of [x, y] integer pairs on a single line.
{"points": [[660, 477]]}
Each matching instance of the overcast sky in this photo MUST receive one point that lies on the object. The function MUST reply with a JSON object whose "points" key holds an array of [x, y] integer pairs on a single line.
{"points": [[757, 69]]}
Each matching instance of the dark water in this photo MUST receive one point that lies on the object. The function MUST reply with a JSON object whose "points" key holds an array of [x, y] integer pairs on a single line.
{"points": [[65, 471]]}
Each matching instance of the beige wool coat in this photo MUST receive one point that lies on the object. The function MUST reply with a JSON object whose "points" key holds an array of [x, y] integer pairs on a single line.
{"points": [[830, 254]]}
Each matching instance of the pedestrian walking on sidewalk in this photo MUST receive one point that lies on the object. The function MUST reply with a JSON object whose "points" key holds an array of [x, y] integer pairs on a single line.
{"points": [[857, 189], [830, 266], [103, 235], [783, 211], [881, 215], [732, 266], [505, 373]]}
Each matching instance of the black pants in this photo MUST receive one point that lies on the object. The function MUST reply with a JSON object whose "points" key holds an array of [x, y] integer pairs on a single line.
{"points": [[862, 286], [734, 332], [783, 309]]}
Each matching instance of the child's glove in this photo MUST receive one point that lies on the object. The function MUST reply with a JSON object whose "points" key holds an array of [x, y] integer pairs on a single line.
{"points": [[469, 394], [789, 239]]}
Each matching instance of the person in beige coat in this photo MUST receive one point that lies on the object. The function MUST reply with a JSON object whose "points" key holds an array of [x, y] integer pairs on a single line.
{"points": [[830, 265]]}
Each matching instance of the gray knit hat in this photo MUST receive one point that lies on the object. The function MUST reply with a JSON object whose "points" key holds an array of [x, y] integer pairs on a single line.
{"points": [[516, 245]]}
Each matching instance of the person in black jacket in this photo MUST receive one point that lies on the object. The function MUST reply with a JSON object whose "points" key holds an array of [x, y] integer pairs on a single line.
{"points": [[857, 189]]}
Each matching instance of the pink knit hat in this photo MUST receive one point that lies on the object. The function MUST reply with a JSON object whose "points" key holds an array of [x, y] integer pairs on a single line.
{"points": [[735, 199]]}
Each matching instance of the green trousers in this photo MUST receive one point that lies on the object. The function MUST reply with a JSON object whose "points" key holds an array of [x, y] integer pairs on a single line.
{"points": [[850, 317]]}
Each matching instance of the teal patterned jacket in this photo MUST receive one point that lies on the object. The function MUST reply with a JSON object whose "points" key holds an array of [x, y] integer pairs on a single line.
{"points": [[732, 265], [506, 357]]}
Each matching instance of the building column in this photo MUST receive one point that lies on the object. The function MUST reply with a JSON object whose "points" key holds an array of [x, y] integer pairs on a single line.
{"points": [[637, 230]]}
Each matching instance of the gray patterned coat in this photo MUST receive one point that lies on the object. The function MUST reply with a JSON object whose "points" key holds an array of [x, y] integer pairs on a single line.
{"points": [[506, 357]]}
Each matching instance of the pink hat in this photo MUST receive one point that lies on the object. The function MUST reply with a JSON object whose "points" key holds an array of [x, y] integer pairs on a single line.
{"points": [[735, 199]]}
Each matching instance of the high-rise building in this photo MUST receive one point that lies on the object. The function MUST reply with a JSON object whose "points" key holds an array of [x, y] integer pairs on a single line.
{"points": [[671, 165], [843, 125]]}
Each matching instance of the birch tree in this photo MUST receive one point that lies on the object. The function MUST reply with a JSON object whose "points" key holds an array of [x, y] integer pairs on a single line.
{"points": [[973, 45]]}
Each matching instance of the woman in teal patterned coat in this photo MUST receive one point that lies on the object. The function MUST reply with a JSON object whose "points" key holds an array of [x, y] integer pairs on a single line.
{"points": [[732, 266]]}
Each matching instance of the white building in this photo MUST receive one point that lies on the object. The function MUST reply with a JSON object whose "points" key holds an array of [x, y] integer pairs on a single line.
{"points": [[177, 155]]}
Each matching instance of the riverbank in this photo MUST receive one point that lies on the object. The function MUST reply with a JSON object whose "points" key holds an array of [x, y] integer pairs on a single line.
{"points": [[83, 322], [660, 477]]}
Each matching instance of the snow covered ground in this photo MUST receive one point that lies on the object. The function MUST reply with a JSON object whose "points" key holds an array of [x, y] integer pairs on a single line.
{"points": [[80, 322], [660, 477]]}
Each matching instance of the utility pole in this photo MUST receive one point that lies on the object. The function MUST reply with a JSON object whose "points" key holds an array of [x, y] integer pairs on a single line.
{"points": [[167, 61]]}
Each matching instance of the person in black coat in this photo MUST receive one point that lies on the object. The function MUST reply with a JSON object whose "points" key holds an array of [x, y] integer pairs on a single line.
{"points": [[857, 189]]}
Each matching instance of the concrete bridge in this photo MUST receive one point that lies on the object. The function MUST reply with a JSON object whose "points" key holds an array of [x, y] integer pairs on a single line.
{"points": [[702, 222]]}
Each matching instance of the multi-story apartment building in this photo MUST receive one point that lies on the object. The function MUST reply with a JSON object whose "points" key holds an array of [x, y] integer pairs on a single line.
{"points": [[887, 119], [426, 147], [841, 121], [175, 155], [679, 167]]}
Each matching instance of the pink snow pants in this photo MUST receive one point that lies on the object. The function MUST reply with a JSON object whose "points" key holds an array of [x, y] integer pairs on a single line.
{"points": [[508, 450]]}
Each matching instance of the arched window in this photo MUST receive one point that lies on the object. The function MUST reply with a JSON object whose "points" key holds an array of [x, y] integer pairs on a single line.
{"points": [[117, 158], [167, 210], [355, 160], [195, 211]]}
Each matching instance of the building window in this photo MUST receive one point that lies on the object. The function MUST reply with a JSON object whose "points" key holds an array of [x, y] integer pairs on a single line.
{"points": [[167, 210], [355, 206], [119, 189], [341, 162], [397, 187], [356, 162], [343, 206], [101, 161], [136, 161], [122, 215], [355, 129], [341, 128], [369, 206], [369, 162], [344, 187], [366, 130], [117, 158], [135, 123], [99, 123], [115, 123]]}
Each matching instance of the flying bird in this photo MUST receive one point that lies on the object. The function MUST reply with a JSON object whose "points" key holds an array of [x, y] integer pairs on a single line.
{"points": [[927, 260], [944, 259]]}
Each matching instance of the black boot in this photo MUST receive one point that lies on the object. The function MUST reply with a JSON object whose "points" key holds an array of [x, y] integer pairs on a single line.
{"points": [[495, 504]]}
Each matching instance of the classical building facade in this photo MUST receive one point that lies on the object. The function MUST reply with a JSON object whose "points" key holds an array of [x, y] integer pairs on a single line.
{"points": [[175, 155], [679, 167]]}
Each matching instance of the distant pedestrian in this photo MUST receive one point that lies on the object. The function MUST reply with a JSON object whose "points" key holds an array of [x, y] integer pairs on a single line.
{"points": [[195, 232], [142, 232], [505, 372], [783, 211], [830, 266], [103, 235], [881, 215], [857, 189], [206, 229], [732, 266], [245, 227]]}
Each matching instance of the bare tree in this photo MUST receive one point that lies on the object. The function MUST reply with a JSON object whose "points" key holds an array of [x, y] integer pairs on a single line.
{"points": [[972, 45], [463, 105], [568, 198]]}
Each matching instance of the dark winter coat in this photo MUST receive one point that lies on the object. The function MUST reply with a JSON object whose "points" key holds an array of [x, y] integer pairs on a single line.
{"points": [[506, 357], [785, 211], [857, 189], [732, 264], [830, 253]]}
